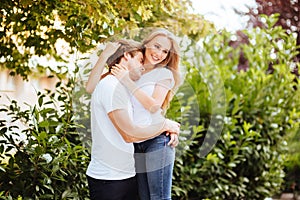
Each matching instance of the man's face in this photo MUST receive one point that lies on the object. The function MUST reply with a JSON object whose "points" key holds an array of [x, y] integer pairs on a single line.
{"points": [[135, 66]]}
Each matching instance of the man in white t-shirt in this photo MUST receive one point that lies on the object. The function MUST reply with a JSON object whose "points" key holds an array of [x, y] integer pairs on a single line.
{"points": [[111, 172]]}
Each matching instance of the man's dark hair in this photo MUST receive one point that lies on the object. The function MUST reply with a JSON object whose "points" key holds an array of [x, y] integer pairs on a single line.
{"points": [[127, 46]]}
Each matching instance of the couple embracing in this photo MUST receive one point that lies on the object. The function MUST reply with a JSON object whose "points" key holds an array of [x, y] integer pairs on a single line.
{"points": [[133, 144]]}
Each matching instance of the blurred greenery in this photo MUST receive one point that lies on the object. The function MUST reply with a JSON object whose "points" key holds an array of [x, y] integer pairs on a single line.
{"points": [[262, 112]]}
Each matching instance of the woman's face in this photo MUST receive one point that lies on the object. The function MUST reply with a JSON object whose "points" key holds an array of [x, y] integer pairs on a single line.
{"points": [[157, 50]]}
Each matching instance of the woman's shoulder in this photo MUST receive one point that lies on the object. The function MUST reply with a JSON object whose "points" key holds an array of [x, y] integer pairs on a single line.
{"points": [[155, 75], [163, 71]]}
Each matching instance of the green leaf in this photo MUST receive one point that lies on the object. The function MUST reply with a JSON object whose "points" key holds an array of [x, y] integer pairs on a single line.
{"points": [[44, 124]]}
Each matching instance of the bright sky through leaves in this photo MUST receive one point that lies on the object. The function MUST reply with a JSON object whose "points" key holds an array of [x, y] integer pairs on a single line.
{"points": [[221, 12]]}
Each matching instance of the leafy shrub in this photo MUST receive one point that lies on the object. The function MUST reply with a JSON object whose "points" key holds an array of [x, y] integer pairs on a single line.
{"points": [[50, 162], [262, 109], [292, 165]]}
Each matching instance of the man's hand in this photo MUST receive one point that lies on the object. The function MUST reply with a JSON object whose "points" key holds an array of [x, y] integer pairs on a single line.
{"points": [[172, 127], [174, 140], [173, 131]]}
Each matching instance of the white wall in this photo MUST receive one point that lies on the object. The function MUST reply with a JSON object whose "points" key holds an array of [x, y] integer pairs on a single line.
{"points": [[24, 92]]}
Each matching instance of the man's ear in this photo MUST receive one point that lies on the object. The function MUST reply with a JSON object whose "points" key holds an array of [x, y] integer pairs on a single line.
{"points": [[127, 55]]}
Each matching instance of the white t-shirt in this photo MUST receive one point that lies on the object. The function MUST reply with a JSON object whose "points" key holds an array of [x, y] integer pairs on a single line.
{"points": [[147, 83], [111, 157]]}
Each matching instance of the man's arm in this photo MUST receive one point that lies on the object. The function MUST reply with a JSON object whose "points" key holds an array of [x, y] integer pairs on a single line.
{"points": [[133, 133]]}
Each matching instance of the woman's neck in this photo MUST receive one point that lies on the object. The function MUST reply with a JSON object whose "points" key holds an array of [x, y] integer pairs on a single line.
{"points": [[148, 67]]}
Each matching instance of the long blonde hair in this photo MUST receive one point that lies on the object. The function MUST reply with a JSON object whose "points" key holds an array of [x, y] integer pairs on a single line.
{"points": [[171, 62]]}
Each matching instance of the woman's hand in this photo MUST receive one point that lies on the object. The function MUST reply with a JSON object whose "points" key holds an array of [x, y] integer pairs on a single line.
{"points": [[110, 49], [121, 73]]}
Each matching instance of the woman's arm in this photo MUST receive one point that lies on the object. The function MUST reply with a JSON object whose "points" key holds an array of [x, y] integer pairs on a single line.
{"points": [[151, 103], [99, 66]]}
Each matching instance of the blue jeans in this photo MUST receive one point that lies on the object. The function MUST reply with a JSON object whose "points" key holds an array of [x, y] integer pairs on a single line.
{"points": [[154, 162]]}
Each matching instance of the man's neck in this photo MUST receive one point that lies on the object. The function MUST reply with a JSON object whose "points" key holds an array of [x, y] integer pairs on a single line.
{"points": [[123, 62]]}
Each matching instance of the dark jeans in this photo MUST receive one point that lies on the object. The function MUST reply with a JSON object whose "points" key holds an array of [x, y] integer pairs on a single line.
{"points": [[112, 189]]}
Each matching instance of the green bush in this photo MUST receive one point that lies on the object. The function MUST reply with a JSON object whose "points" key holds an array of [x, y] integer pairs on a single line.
{"points": [[50, 162], [262, 109], [292, 165]]}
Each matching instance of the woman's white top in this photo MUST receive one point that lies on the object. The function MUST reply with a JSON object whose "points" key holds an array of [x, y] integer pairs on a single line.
{"points": [[147, 83]]}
